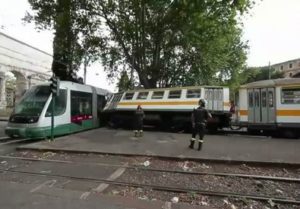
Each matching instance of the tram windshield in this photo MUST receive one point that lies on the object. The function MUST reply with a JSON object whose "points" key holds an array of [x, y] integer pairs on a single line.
{"points": [[33, 101]]}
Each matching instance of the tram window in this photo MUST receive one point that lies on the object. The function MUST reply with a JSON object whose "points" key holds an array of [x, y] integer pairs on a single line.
{"points": [[193, 93], [250, 99], [271, 99], [174, 94], [60, 104], [290, 96], [128, 96], [81, 103], [264, 99], [33, 101], [142, 95], [157, 95]]}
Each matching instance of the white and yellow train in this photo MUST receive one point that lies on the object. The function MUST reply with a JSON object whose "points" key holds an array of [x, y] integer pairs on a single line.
{"points": [[169, 107], [271, 106]]}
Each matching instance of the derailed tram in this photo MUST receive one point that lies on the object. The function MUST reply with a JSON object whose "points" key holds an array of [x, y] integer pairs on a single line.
{"points": [[77, 108], [169, 108]]}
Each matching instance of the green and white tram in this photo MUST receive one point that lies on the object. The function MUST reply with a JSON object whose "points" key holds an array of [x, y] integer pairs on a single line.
{"points": [[77, 108]]}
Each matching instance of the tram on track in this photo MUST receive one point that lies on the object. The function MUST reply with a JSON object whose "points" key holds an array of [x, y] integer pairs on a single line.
{"points": [[169, 108], [271, 106], [77, 108]]}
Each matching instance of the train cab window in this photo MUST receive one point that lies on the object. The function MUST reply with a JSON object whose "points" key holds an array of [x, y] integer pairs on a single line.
{"points": [[60, 104], [176, 94], [290, 96], [81, 103], [264, 99], [271, 99], [128, 96], [193, 93], [157, 95], [142, 95]]}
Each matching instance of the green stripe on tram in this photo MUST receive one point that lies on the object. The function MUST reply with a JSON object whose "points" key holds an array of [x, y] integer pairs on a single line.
{"points": [[44, 132]]}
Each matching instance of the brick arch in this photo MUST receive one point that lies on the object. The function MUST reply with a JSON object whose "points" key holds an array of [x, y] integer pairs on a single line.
{"points": [[21, 83]]}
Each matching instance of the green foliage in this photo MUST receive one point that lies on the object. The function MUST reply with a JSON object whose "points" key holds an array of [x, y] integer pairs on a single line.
{"points": [[171, 43], [253, 74], [75, 40], [166, 42], [124, 82]]}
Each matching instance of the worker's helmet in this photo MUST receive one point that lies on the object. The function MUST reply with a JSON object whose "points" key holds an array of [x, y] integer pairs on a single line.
{"points": [[202, 102]]}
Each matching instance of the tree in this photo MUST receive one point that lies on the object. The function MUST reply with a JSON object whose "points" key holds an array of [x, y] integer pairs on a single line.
{"points": [[166, 42], [71, 25], [252, 74], [124, 82], [171, 43]]}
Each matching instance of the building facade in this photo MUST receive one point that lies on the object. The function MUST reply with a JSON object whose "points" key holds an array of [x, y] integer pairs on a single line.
{"points": [[28, 64], [291, 68]]}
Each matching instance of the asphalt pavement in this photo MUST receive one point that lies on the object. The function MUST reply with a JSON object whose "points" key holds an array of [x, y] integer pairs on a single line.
{"points": [[234, 148]]}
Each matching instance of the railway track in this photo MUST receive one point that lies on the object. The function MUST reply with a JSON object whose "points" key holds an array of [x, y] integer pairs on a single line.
{"points": [[275, 199], [281, 200], [222, 174], [8, 140]]}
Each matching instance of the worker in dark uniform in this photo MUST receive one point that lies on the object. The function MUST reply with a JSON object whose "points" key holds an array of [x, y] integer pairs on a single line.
{"points": [[139, 119], [199, 119]]}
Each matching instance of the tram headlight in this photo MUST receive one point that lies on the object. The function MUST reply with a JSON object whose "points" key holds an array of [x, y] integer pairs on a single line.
{"points": [[33, 119]]}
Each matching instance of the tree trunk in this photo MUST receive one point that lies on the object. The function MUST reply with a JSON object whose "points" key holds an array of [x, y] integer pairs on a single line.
{"points": [[62, 43]]}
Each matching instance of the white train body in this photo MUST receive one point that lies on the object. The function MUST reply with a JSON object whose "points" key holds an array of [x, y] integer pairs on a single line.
{"points": [[271, 105], [169, 105]]}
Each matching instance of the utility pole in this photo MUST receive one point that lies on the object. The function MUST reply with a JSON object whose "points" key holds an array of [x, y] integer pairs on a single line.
{"points": [[269, 72]]}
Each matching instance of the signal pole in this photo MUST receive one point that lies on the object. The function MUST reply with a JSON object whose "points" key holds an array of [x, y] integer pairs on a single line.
{"points": [[269, 70], [54, 86]]}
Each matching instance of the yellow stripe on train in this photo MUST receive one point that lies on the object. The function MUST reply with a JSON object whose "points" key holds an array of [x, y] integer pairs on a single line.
{"points": [[164, 103], [278, 112]]}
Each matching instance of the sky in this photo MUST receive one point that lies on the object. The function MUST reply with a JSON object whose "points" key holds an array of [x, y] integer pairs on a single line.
{"points": [[271, 29]]}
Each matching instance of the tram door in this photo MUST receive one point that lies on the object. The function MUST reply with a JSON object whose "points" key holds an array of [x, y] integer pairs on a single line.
{"points": [[214, 98], [271, 105], [261, 107], [218, 99], [264, 106], [250, 106], [209, 98], [257, 106]]}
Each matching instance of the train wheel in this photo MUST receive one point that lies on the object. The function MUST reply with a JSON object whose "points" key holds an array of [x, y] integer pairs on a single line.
{"points": [[253, 131], [290, 134]]}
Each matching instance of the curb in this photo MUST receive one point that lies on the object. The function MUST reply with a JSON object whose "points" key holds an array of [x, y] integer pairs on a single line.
{"points": [[179, 158]]}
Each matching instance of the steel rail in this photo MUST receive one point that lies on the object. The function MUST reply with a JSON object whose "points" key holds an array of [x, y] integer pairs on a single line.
{"points": [[282, 200], [12, 141], [221, 174]]}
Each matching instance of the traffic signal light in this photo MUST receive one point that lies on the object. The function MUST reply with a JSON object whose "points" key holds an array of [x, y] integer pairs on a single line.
{"points": [[54, 86]]}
